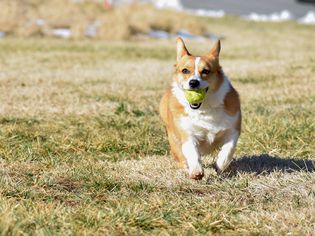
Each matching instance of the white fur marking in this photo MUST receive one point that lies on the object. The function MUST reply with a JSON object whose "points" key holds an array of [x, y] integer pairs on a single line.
{"points": [[196, 76], [197, 60]]}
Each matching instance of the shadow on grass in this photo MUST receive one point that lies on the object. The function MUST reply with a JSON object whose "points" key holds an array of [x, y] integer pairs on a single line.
{"points": [[264, 164]]}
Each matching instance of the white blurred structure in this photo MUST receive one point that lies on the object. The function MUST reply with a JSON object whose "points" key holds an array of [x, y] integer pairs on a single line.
{"points": [[172, 4], [274, 17], [309, 18], [207, 13]]}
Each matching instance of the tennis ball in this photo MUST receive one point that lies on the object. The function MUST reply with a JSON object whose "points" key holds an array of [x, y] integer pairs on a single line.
{"points": [[195, 96]]}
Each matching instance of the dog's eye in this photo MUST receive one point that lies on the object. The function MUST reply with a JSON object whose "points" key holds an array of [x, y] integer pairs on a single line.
{"points": [[185, 71], [205, 71]]}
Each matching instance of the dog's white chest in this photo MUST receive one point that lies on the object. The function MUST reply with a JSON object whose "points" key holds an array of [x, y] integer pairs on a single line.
{"points": [[201, 124], [207, 121]]}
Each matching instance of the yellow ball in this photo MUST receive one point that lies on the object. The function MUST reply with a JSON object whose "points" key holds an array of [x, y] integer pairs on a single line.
{"points": [[195, 96]]}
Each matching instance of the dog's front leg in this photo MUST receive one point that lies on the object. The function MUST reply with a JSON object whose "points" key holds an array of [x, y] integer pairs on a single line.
{"points": [[191, 153], [225, 155]]}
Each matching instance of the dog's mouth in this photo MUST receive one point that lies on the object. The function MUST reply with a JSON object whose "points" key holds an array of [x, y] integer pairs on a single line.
{"points": [[195, 106]]}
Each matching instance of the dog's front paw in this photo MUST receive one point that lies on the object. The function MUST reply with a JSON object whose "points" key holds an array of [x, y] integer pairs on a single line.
{"points": [[196, 173]]}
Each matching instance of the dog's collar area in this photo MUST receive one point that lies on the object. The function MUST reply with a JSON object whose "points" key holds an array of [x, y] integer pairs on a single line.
{"points": [[195, 106]]}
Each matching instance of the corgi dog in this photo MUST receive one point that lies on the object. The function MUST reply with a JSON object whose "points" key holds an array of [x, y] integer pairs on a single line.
{"points": [[197, 129]]}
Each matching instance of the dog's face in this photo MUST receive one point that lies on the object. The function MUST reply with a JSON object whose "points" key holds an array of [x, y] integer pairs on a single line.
{"points": [[192, 72]]}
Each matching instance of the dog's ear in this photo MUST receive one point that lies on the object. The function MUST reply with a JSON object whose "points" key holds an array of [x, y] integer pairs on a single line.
{"points": [[215, 51], [181, 48]]}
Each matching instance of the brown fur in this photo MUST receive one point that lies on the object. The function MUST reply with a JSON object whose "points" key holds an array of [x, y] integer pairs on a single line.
{"points": [[232, 105], [170, 110]]}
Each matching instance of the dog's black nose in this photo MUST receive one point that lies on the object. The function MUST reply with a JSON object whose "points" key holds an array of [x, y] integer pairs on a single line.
{"points": [[194, 83]]}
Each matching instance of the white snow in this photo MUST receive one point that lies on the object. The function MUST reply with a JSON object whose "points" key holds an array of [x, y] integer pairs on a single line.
{"points": [[91, 29], [170, 4], [309, 18], [62, 33], [40, 22], [284, 15], [207, 13]]}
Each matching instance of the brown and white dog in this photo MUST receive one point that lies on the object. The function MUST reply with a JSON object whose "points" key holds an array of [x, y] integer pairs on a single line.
{"points": [[198, 129]]}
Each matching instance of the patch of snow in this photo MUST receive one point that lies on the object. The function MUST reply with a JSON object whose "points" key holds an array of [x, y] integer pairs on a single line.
{"points": [[185, 34], [171, 4], [207, 13], [91, 30], [284, 15], [309, 18], [159, 34], [40, 22], [213, 36], [62, 33]]}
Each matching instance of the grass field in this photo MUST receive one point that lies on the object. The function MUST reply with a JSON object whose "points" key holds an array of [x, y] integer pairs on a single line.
{"points": [[83, 150]]}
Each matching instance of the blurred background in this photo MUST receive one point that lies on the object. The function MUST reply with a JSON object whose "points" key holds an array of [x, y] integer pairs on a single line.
{"points": [[134, 19]]}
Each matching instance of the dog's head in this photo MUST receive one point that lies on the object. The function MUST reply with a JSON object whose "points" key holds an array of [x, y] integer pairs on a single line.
{"points": [[197, 72]]}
